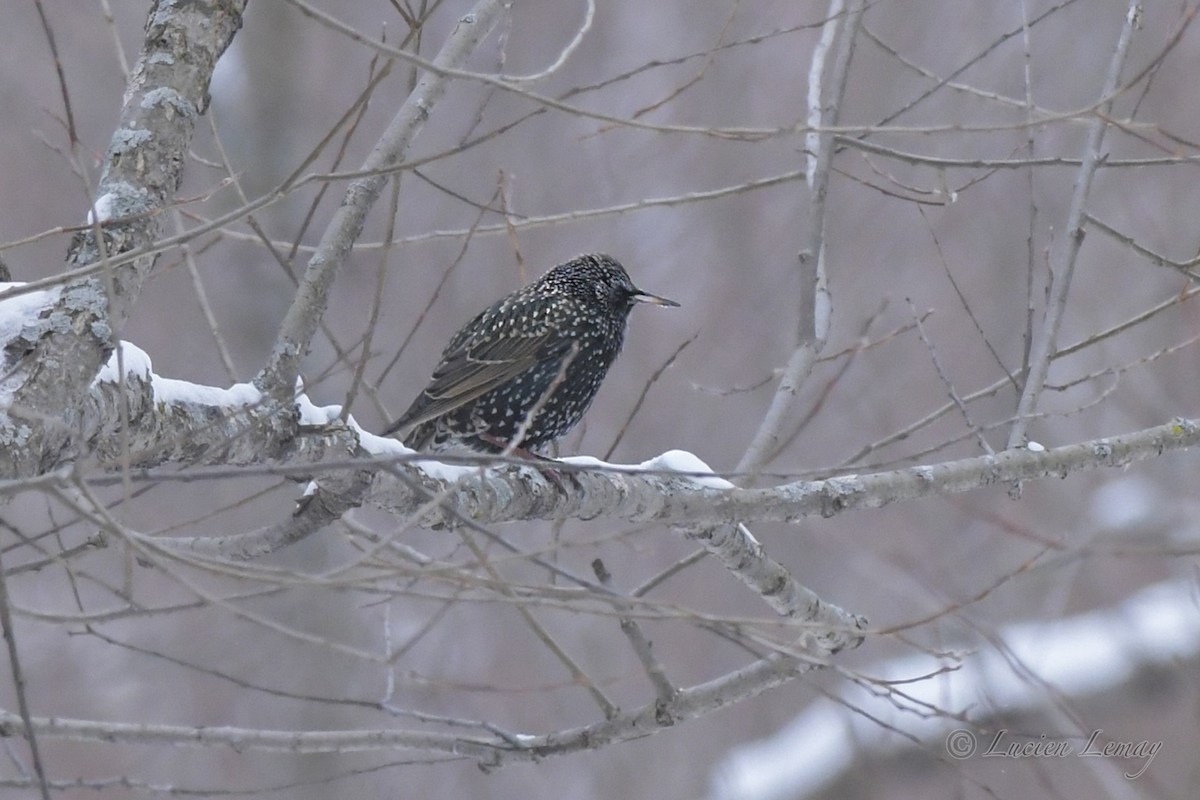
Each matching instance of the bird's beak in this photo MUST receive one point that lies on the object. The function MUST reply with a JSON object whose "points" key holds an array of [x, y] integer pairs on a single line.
{"points": [[645, 297]]}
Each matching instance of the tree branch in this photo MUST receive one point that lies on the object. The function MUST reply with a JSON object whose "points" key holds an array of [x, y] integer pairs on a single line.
{"points": [[1060, 280], [696, 701], [54, 359], [519, 492], [814, 303], [279, 374]]}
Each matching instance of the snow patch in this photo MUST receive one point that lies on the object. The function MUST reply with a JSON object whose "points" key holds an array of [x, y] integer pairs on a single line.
{"points": [[315, 415], [680, 461], [170, 390], [690, 465], [387, 447], [20, 310], [449, 473], [135, 360], [591, 462], [103, 208]]}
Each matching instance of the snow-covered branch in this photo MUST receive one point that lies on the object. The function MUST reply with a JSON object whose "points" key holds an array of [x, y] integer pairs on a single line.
{"points": [[656, 491], [211, 425], [49, 364]]}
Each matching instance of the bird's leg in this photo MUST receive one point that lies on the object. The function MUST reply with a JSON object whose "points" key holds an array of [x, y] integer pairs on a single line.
{"points": [[553, 475]]}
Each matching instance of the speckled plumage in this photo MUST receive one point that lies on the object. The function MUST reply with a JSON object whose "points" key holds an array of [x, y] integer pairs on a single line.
{"points": [[503, 362]]}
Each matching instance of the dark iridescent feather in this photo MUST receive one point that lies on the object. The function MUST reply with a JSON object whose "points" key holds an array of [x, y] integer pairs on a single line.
{"points": [[507, 359]]}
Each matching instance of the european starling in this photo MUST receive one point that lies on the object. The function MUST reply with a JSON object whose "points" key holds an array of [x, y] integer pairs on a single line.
{"points": [[508, 361]]}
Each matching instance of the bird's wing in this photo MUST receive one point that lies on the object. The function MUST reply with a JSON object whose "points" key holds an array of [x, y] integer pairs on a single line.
{"points": [[478, 365]]}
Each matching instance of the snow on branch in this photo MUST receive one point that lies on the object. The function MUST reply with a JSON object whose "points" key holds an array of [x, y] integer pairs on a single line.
{"points": [[176, 422], [647, 492], [49, 364], [168, 421]]}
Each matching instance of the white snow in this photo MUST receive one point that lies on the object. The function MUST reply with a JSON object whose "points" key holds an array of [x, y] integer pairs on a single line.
{"points": [[449, 473], [20, 310], [1084, 654], [591, 462], [672, 461], [690, 465], [681, 461], [136, 363], [103, 208], [315, 415], [383, 445], [170, 390], [387, 447]]}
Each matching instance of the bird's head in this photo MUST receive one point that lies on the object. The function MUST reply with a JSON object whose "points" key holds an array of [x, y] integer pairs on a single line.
{"points": [[601, 279]]}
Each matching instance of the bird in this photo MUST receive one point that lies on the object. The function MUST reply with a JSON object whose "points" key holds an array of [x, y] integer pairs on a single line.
{"points": [[521, 374]]}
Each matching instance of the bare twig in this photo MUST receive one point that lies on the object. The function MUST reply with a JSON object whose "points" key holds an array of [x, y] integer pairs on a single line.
{"points": [[642, 647], [1187, 268], [278, 376], [1060, 281], [189, 260], [1030, 247], [637, 405], [578, 676], [996, 386], [814, 307], [585, 26], [18, 678], [949, 384]]}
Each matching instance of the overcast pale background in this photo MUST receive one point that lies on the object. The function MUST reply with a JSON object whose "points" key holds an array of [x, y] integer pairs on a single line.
{"points": [[731, 263]]}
